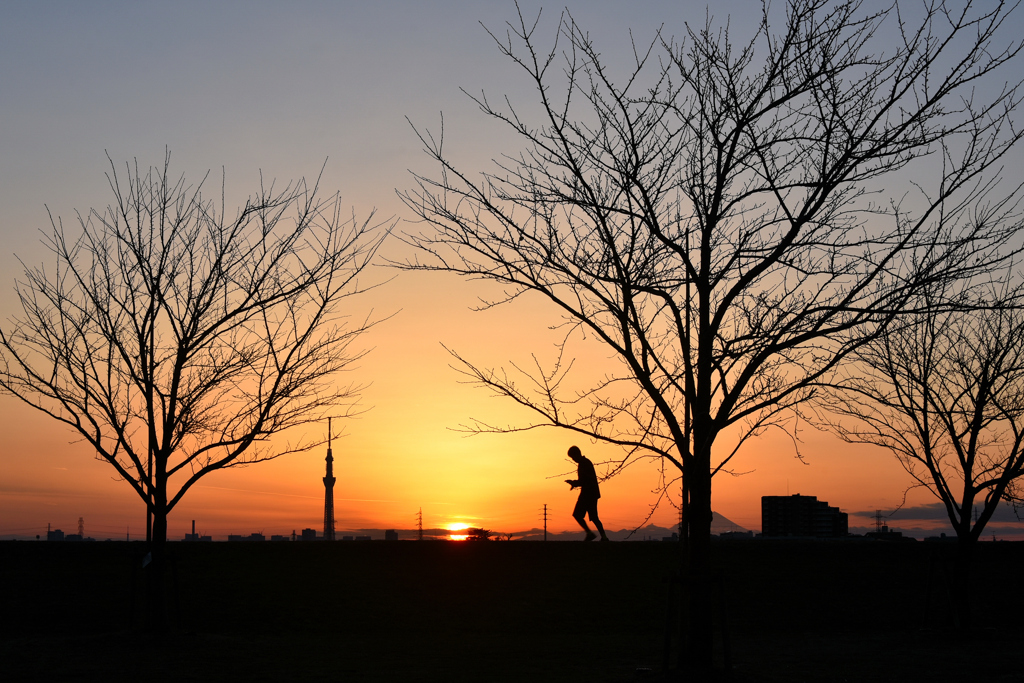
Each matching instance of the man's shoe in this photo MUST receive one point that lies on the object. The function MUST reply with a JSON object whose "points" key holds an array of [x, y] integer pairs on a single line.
{"points": [[590, 536]]}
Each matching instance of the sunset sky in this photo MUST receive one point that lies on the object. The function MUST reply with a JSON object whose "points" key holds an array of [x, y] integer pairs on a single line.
{"points": [[251, 86]]}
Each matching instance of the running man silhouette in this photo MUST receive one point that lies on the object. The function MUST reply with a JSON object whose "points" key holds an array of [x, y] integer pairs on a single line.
{"points": [[586, 504]]}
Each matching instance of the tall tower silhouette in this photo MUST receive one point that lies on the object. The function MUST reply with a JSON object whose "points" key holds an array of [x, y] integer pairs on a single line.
{"points": [[329, 490]]}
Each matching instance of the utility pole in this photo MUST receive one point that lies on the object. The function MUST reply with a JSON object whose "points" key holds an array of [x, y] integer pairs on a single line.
{"points": [[545, 521]]}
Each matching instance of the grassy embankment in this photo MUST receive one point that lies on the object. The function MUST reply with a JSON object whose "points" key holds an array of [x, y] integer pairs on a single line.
{"points": [[407, 611]]}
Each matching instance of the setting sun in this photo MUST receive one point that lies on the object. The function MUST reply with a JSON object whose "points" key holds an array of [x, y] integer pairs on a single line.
{"points": [[457, 526]]}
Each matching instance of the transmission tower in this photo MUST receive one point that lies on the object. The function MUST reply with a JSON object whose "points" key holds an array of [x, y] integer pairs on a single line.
{"points": [[81, 528], [329, 490], [545, 521], [419, 523]]}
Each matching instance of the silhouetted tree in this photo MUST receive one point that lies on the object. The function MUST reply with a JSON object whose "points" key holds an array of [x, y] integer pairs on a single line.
{"points": [[944, 391], [175, 339], [729, 220], [474, 534]]}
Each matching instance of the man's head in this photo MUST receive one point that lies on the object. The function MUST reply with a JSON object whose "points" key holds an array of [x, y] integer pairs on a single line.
{"points": [[575, 454]]}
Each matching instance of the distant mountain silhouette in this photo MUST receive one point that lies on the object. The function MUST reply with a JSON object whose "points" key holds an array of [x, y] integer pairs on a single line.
{"points": [[654, 532], [650, 532], [720, 524]]}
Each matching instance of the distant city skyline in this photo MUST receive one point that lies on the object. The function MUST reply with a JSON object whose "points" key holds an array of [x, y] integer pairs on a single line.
{"points": [[1004, 526]]}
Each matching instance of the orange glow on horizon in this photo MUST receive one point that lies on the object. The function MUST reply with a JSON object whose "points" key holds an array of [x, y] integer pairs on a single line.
{"points": [[403, 457]]}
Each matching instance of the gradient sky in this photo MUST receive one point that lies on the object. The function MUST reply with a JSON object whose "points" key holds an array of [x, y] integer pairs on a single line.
{"points": [[249, 86]]}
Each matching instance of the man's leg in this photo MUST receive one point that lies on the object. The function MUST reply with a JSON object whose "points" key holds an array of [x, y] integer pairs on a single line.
{"points": [[578, 514], [597, 522]]}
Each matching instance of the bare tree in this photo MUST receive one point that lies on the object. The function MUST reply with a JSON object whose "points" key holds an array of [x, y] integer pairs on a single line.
{"points": [[729, 219], [944, 391], [175, 339]]}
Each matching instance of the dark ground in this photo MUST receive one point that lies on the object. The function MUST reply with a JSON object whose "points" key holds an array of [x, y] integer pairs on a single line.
{"points": [[499, 611]]}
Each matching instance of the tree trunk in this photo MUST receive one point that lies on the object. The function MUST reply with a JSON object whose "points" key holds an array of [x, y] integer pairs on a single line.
{"points": [[961, 588], [699, 653], [155, 570]]}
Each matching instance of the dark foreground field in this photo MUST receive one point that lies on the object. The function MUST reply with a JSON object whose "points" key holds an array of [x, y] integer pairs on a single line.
{"points": [[519, 611]]}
